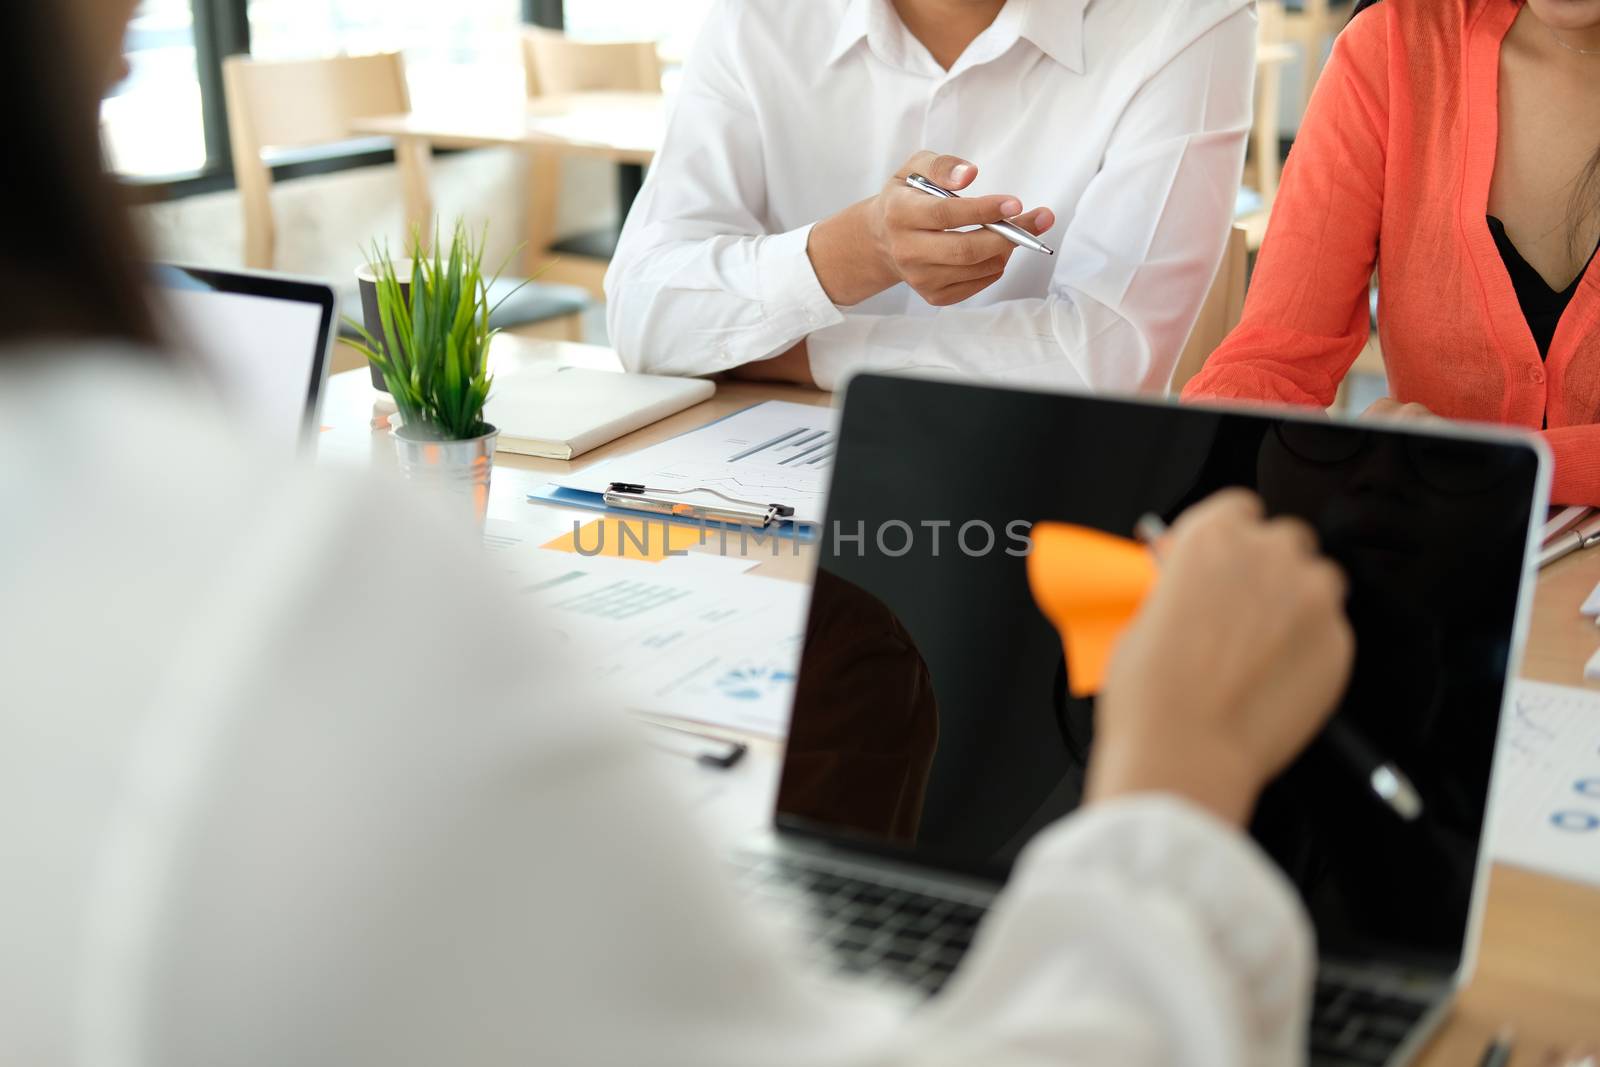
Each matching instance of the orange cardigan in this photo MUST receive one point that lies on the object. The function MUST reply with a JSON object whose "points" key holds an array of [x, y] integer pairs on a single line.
{"points": [[1391, 169]]}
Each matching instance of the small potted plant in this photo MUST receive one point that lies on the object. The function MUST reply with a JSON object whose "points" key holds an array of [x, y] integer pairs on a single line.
{"points": [[427, 333]]}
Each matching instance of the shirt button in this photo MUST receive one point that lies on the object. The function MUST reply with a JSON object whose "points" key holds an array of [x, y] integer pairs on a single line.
{"points": [[1537, 375]]}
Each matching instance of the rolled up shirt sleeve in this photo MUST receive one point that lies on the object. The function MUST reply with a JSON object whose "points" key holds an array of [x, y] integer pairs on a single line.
{"points": [[1139, 932], [697, 286]]}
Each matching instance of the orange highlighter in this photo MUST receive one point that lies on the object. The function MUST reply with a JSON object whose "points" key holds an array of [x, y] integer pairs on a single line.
{"points": [[1090, 584]]}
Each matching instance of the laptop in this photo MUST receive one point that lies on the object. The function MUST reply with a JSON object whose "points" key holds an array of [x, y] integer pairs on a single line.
{"points": [[932, 733], [265, 339]]}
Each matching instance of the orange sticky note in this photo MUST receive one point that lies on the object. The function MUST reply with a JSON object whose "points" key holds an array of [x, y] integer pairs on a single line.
{"points": [[1090, 585], [644, 539]]}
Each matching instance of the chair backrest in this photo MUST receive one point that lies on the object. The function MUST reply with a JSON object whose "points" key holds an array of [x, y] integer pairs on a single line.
{"points": [[1223, 307], [556, 64], [298, 104]]}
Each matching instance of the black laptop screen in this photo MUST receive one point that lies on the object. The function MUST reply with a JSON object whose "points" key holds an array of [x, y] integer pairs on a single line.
{"points": [[932, 719]]}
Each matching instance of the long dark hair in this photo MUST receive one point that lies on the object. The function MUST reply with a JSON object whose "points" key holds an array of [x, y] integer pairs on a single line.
{"points": [[1584, 203], [69, 263]]}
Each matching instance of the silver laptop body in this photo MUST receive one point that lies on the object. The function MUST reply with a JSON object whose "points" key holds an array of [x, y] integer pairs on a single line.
{"points": [[932, 736]]}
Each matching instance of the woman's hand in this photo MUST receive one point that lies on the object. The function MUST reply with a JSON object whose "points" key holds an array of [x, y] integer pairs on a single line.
{"points": [[902, 235], [1393, 410], [1231, 666]]}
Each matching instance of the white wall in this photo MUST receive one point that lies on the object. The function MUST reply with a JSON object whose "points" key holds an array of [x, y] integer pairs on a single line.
{"points": [[324, 223]]}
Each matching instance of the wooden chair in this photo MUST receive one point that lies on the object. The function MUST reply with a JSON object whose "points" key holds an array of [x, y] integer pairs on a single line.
{"points": [[303, 103], [1223, 307], [555, 65], [1311, 24]]}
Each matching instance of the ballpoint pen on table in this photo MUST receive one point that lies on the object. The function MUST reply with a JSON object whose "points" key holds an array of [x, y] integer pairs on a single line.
{"points": [[1497, 1053], [1584, 535], [1009, 230], [724, 759], [634, 497], [1385, 779]]}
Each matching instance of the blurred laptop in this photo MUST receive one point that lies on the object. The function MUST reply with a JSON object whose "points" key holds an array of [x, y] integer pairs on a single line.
{"points": [[932, 735], [265, 339]]}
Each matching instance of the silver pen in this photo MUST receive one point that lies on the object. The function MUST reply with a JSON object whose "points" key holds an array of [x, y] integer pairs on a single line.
{"points": [[629, 496], [1387, 781], [1585, 535], [1009, 230]]}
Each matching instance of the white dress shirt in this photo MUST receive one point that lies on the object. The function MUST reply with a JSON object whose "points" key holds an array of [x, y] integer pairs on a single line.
{"points": [[287, 780], [1127, 118]]}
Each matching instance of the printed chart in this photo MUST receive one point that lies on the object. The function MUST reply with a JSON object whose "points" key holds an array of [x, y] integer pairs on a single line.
{"points": [[795, 448], [772, 453], [691, 643], [723, 652], [1546, 813]]}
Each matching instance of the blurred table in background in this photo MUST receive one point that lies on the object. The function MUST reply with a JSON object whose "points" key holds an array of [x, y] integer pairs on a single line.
{"points": [[625, 128]]}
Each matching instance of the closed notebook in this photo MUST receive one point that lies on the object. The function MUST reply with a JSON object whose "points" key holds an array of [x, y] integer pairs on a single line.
{"points": [[562, 413]]}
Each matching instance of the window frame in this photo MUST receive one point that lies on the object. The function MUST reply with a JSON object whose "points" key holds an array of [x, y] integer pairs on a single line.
{"points": [[222, 29]]}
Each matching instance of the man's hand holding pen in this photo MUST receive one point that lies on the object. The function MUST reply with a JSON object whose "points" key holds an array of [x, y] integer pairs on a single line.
{"points": [[903, 235]]}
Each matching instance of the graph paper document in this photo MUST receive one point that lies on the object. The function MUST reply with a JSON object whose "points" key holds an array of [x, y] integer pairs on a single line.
{"points": [[678, 639], [773, 453], [1546, 813], [715, 650]]}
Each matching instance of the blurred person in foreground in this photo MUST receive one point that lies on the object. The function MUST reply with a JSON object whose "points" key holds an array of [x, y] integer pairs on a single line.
{"points": [[236, 831]]}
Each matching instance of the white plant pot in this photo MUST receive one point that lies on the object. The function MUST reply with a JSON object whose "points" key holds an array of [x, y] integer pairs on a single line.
{"points": [[452, 468]]}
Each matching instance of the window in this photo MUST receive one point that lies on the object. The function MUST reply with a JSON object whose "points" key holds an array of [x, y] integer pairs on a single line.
{"points": [[167, 122], [445, 43], [153, 121], [674, 23]]}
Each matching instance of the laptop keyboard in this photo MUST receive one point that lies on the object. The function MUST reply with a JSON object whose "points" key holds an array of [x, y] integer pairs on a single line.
{"points": [[1361, 1024], [869, 928]]}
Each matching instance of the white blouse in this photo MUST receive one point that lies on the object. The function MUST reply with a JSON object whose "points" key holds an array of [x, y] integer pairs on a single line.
{"points": [[286, 780], [1127, 118]]}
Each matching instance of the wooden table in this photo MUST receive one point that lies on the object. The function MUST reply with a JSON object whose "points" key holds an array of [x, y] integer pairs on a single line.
{"points": [[625, 128], [622, 127], [1539, 962]]}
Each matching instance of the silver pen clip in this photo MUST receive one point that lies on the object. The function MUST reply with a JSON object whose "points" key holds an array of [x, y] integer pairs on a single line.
{"points": [[656, 501]]}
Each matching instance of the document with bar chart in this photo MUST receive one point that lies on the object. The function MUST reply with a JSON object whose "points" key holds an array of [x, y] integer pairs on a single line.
{"points": [[773, 453], [707, 647]]}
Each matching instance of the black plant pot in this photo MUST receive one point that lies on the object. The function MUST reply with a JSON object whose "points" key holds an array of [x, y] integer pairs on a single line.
{"points": [[370, 317]]}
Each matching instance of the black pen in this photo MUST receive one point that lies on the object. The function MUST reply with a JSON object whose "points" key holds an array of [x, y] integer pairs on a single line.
{"points": [[1388, 781], [1497, 1053], [725, 757]]}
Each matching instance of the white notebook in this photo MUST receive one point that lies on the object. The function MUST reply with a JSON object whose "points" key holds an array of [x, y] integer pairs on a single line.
{"points": [[564, 412]]}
